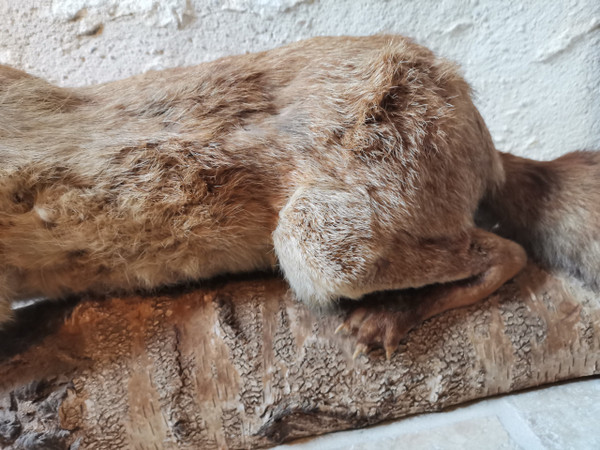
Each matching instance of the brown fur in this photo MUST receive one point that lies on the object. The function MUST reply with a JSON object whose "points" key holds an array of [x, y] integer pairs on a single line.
{"points": [[552, 208], [356, 164]]}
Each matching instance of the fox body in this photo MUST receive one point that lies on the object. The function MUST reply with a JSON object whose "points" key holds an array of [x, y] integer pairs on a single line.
{"points": [[353, 164]]}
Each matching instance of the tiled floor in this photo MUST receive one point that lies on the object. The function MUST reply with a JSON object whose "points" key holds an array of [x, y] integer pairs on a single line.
{"points": [[565, 416]]}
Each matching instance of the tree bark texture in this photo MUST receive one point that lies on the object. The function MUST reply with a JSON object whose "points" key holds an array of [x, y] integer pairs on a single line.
{"points": [[240, 364]]}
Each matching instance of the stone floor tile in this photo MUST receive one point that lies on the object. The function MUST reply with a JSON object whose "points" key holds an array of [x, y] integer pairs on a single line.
{"points": [[481, 433], [565, 416]]}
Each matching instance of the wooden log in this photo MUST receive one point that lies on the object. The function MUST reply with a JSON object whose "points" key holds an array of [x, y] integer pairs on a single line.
{"points": [[240, 364]]}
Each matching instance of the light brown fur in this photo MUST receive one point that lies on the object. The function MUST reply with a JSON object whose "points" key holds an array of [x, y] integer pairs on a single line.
{"points": [[355, 164]]}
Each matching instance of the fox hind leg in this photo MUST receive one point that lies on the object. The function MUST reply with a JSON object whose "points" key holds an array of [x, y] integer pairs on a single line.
{"points": [[488, 262]]}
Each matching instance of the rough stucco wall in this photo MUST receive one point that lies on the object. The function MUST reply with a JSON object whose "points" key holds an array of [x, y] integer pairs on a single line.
{"points": [[535, 66]]}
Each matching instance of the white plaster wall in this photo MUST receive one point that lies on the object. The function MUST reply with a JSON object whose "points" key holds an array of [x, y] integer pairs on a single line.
{"points": [[535, 64]]}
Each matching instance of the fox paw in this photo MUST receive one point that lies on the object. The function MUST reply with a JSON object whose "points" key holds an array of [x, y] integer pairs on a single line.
{"points": [[375, 328]]}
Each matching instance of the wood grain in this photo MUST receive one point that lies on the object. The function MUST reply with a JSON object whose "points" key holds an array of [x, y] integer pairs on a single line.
{"points": [[240, 364]]}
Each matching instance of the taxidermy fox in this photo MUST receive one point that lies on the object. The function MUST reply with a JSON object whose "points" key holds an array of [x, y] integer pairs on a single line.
{"points": [[354, 164]]}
